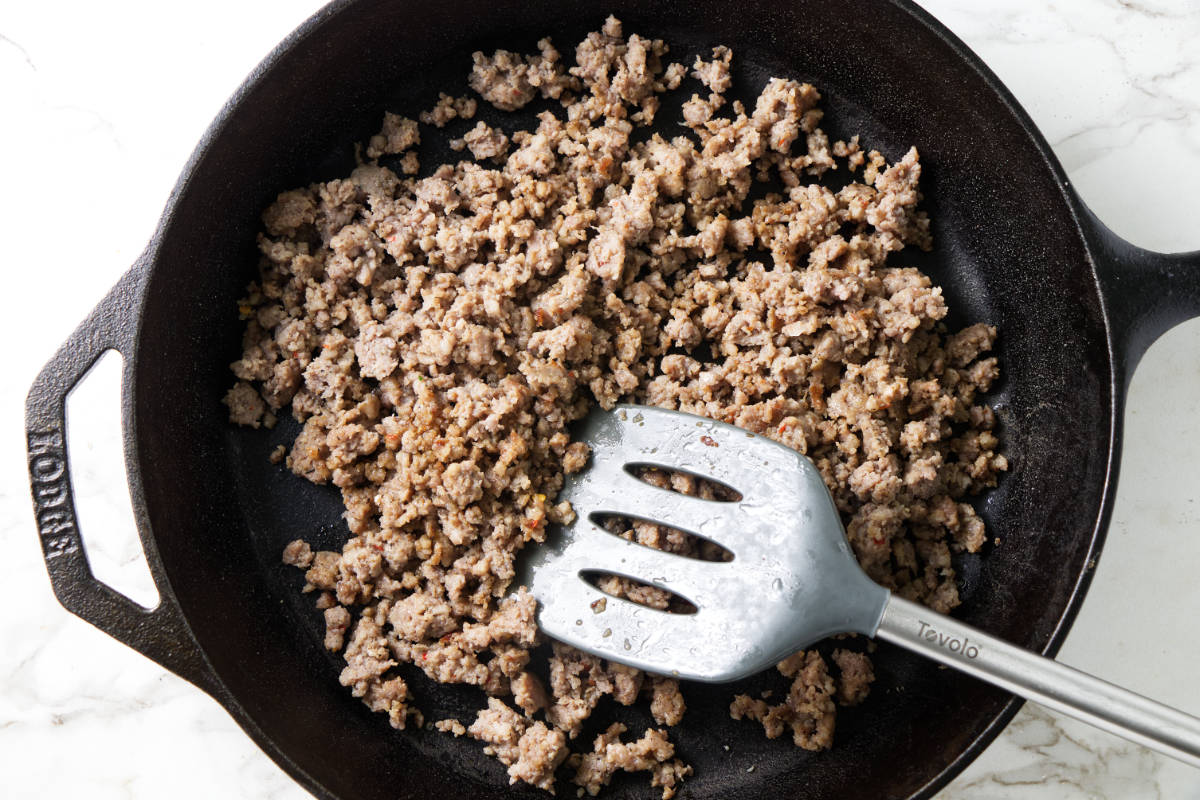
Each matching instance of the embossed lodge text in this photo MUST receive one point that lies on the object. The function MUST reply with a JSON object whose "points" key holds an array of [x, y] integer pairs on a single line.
{"points": [[51, 493], [952, 643]]}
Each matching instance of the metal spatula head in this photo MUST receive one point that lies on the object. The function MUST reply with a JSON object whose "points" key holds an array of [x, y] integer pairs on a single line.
{"points": [[792, 581]]}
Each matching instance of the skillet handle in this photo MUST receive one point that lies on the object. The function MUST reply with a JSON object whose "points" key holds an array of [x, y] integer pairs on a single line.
{"points": [[1145, 293], [161, 633]]}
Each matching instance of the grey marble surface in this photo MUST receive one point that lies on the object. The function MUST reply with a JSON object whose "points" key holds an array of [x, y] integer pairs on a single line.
{"points": [[102, 103]]}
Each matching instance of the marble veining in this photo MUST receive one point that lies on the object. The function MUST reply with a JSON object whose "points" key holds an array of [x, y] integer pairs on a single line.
{"points": [[104, 111], [1042, 755]]}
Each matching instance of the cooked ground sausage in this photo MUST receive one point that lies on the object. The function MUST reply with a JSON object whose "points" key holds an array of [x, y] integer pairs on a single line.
{"points": [[435, 336]]}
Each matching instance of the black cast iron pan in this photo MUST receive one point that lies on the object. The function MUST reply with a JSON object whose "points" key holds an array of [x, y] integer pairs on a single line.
{"points": [[1076, 307]]}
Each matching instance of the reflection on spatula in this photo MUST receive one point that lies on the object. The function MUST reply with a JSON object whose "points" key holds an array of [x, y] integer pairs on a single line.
{"points": [[793, 579]]}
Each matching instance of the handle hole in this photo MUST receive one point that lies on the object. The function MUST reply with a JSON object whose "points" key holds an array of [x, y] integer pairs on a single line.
{"points": [[101, 485]]}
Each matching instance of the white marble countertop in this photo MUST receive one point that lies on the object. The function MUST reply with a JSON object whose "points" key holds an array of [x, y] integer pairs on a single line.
{"points": [[103, 102]]}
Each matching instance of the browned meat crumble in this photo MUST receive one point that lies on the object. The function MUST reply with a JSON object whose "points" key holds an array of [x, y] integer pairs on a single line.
{"points": [[436, 336]]}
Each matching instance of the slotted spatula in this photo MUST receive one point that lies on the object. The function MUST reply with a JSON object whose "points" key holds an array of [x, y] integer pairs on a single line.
{"points": [[793, 579]]}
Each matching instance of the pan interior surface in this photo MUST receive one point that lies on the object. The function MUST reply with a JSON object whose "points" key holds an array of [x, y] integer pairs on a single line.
{"points": [[1007, 251]]}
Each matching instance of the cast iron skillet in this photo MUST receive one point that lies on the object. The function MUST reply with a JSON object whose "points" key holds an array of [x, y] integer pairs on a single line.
{"points": [[1075, 305]]}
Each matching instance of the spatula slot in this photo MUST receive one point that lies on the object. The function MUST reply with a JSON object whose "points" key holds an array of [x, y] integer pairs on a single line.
{"points": [[660, 537], [644, 594], [683, 482]]}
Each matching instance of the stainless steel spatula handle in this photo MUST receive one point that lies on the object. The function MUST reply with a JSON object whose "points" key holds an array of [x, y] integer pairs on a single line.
{"points": [[1057, 686]]}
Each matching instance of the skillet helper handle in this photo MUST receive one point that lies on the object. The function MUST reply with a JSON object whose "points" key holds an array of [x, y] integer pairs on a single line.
{"points": [[160, 633], [1145, 293], [1057, 686]]}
